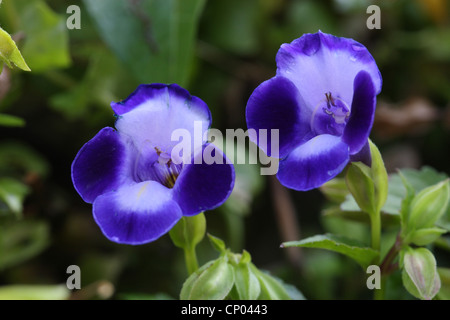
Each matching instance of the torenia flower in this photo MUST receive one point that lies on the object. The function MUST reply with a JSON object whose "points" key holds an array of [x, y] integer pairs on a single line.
{"points": [[139, 188], [322, 101]]}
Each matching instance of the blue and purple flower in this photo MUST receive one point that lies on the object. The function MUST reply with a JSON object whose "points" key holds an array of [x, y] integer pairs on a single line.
{"points": [[138, 188], [322, 100]]}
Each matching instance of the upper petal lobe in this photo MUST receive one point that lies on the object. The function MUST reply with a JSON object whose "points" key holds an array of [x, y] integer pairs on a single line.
{"points": [[320, 63], [206, 185], [151, 114], [101, 165], [276, 104], [362, 114]]}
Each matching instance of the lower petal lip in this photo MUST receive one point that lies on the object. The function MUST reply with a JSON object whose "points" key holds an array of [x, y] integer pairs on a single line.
{"points": [[313, 163], [136, 214]]}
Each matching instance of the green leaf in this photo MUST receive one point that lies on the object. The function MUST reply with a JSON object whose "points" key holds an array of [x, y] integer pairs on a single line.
{"points": [[20, 159], [21, 241], [105, 80], [420, 276], [358, 216], [271, 288], [234, 25], [426, 236], [34, 292], [213, 283], [353, 249], [444, 275], [155, 39], [13, 193], [246, 282], [46, 45], [9, 53], [217, 243], [11, 121]]}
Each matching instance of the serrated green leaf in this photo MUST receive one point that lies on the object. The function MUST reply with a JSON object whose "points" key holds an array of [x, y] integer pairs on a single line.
{"points": [[155, 39], [34, 292], [9, 53], [7, 120], [353, 249]]}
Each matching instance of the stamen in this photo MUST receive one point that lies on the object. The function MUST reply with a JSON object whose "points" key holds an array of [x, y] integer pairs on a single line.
{"points": [[330, 100], [165, 171]]}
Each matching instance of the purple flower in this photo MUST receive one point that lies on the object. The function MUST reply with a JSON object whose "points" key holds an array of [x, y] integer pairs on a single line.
{"points": [[322, 100], [138, 189]]}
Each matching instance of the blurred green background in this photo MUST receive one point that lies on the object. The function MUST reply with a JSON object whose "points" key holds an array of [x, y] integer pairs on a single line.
{"points": [[220, 50]]}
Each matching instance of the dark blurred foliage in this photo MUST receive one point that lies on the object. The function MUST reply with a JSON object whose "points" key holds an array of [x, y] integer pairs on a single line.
{"points": [[222, 50]]}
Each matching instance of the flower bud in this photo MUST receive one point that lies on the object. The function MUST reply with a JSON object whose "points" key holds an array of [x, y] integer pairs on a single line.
{"points": [[189, 231], [428, 206], [420, 276], [213, 281], [368, 185]]}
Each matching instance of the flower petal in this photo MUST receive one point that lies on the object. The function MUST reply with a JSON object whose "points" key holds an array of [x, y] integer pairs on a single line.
{"points": [[319, 63], [362, 114], [136, 214], [313, 163], [204, 186], [100, 165], [149, 116], [275, 104], [364, 155]]}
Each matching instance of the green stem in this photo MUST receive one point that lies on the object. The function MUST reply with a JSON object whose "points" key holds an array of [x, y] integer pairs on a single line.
{"points": [[379, 294], [191, 259], [375, 224]]}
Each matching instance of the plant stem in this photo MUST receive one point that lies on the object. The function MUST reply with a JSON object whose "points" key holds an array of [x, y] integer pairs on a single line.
{"points": [[191, 259], [379, 294], [387, 266], [375, 224]]}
